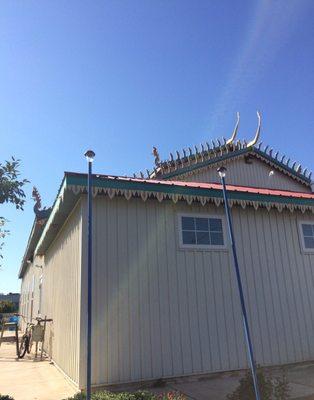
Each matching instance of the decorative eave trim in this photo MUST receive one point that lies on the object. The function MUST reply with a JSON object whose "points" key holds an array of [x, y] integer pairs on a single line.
{"points": [[129, 188], [256, 201], [74, 185]]}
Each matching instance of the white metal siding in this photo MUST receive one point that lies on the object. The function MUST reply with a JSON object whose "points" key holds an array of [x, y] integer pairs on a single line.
{"points": [[162, 311], [254, 174], [29, 299], [61, 295]]}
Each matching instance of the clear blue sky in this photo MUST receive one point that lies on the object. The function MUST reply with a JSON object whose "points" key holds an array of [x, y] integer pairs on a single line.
{"points": [[122, 76]]}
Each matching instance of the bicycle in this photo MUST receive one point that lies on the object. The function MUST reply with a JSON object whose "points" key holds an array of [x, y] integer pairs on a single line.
{"points": [[33, 333], [26, 340]]}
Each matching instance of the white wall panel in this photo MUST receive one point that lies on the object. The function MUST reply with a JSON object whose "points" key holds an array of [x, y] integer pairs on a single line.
{"points": [[162, 311], [61, 295], [255, 174]]}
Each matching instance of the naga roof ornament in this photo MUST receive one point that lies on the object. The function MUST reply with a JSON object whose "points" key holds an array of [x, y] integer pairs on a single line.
{"points": [[235, 130], [257, 133], [37, 198], [41, 213], [156, 155]]}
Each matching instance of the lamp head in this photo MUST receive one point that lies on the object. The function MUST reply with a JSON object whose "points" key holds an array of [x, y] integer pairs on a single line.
{"points": [[90, 155], [222, 172]]}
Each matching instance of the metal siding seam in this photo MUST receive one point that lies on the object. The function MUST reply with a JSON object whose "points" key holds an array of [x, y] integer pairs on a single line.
{"points": [[201, 307], [203, 280], [300, 287], [149, 284], [164, 224], [155, 325], [279, 315], [186, 264], [159, 291], [289, 288], [266, 297], [301, 256], [171, 236], [233, 297], [213, 268], [243, 361], [256, 330], [135, 339], [182, 293], [297, 300], [274, 317]]}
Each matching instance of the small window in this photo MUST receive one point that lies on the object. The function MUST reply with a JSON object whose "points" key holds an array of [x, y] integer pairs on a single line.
{"points": [[307, 236], [201, 232]]}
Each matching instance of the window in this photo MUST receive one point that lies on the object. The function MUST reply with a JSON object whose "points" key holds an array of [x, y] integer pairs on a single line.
{"points": [[201, 231], [307, 236]]}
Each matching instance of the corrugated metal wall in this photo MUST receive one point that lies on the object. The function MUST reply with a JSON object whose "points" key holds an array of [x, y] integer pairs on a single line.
{"points": [[162, 311], [61, 295], [254, 174], [29, 299]]}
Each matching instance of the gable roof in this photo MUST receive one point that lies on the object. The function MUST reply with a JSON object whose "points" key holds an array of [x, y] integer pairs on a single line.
{"points": [[187, 164], [223, 150]]}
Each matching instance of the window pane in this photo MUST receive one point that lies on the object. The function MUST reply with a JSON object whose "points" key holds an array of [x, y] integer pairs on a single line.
{"points": [[202, 237], [307, 230], [215, 224], [309, 242], [216, 238], [201, 224], [188, 237], [188, 223]]}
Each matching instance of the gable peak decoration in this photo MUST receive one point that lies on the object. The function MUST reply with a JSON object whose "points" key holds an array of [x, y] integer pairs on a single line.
{"points": [[221, 150]]}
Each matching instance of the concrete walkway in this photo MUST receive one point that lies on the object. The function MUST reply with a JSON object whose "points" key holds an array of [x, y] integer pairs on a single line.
{"points": [[40, 380], [26, 379]]}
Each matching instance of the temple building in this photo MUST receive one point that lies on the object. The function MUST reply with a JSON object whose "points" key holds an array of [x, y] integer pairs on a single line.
{"points": [[165, 300]]}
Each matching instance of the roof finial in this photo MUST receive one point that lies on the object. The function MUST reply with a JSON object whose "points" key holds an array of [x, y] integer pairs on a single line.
{"points": [[258, 131], [36, 197], [156, 155], [235, 130]]}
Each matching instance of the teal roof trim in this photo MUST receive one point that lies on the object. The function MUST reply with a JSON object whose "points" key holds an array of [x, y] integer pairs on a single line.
{"points": [[125, 184], [281, 165]]}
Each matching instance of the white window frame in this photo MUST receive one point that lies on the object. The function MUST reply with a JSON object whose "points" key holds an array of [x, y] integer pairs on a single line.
{"points": [[301, 236], [204, 247]]}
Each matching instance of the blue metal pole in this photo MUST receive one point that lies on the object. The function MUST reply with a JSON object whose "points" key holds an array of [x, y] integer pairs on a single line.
{"points": [[89, 284], [244, 314]]}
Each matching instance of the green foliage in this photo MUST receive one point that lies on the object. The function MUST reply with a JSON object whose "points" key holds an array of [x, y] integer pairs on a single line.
{"points": [[11, 186], [5, 397], [7, 307], [270, 388], [140, 395], [11, 191]]}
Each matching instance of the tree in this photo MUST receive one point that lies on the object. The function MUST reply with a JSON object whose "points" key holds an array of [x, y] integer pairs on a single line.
{"points": [[7, 307], [11, 191]]}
